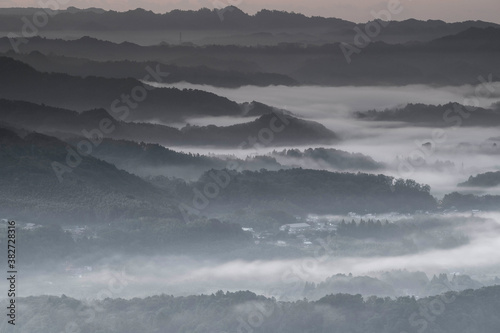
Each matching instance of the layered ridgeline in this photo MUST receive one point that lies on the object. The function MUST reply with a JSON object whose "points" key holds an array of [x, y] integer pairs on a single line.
{"points": [[299, 190], [271, 129], [155, 160], [80, 94], [127, 98], [327, 158], [229, 25], [244, 311], [473, 51], [45, 181], [96, 190], [149, 160], [230, 77]]}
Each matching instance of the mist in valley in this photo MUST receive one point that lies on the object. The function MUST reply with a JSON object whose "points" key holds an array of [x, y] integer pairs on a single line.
{"points": [[449, 160], [218, 171]]}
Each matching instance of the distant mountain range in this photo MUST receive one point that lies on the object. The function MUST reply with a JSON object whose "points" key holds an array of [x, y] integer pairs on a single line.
{"points": [[126, 69], [281, 26], [13, 11], [452, 60]]}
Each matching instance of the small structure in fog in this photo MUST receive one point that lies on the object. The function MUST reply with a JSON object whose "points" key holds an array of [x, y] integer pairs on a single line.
{"points": [[295, 227]]}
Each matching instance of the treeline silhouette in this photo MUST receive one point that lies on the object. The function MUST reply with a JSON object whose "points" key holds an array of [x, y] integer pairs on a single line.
{"points": [[453, 312]]}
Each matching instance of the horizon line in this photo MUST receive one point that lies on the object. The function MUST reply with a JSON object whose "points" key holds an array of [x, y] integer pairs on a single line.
{"points": [[245, 12]]}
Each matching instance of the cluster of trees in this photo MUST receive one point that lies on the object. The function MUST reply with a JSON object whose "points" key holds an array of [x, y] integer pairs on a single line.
{"points": [[329, 157], [370, 229], [393, 284], [461, 201], [436, 115], [244, 311], [413, 235], [378, 229], [305, 191]]}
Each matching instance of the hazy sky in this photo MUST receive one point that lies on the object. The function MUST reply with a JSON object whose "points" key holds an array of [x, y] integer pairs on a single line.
{"points": [[359, 11]]}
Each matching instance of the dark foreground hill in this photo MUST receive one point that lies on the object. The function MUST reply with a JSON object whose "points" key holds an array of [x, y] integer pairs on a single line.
{"points": [[243, 311], [43, 179]]}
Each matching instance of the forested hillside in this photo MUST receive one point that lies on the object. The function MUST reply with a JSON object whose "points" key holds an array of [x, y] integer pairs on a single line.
{"points": [[243, 311]]}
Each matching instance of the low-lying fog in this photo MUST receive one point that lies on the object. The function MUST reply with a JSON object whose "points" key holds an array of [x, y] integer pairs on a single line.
{"points": [[312, 101], [387, 142], [138, 276], [129, 277]]}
